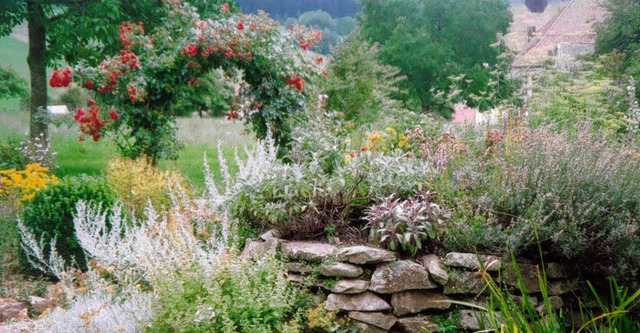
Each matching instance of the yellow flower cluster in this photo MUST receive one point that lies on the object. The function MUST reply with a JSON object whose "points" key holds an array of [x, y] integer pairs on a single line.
{"points": [[24, 183], [389, 140]]}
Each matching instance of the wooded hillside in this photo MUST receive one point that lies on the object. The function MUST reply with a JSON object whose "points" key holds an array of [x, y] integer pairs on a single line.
{"points": [[280, 9]]}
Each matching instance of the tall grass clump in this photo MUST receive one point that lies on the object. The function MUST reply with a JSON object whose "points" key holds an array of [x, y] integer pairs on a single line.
{"points": [[508, 314], [578, 189]]}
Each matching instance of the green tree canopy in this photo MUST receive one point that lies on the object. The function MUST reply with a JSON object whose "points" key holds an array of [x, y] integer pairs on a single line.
{"points": [[620, 33], [433, 40], [621, 29]]}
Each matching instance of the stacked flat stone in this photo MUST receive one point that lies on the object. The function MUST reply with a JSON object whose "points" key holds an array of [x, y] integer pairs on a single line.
{"points": [[380, 292]]}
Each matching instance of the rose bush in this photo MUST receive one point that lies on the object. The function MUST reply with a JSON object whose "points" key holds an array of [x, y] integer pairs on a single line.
{"points": [[138, 87]]}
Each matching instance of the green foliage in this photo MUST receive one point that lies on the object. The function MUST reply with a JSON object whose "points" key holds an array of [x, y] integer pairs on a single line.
{"points": [[50, 213], [11, 14], [431, 41], [73, 98], [590, 95], [302, 200], [86, 31], [241, 296], [617, 314], [212, 97], [359, 86], [10, 155], [620, 30], [405, 225], [618, 34], [333, 29], [9, 244], [318, 19], [139, 184], [506, 313], [12, 84], [345, 25]]}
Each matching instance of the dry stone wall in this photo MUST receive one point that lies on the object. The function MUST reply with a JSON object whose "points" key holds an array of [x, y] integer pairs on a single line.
{"points": [[382, 292]]}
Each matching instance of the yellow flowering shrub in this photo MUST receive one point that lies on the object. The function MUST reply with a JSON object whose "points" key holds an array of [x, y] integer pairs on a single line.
{"points": [[138, 182], [23, 184]]}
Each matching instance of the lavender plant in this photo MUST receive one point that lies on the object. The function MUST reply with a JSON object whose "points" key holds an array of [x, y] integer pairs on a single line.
{"points": [[632, 117], [577, 189]]}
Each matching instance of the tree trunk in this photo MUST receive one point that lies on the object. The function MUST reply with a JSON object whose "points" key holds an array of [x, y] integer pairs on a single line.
{"points": [[37, 60]]}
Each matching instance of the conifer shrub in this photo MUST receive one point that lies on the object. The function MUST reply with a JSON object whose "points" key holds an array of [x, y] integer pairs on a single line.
{"points": [[50, 214]]}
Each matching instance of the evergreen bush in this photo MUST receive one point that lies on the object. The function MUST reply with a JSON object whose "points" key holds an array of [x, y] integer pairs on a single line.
{"points": [[50, 214]]}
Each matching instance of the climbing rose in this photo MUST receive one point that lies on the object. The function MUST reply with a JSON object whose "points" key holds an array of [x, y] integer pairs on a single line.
{"points": [[191, 49], [88, 84], [60, 78], [295, 80]]}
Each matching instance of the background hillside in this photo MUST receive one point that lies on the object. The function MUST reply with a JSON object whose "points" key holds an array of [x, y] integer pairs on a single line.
{"points": [[283, 9]]}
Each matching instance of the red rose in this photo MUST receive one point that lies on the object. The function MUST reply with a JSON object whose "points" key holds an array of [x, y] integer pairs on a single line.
{"points": [[88, 84], [60, 78]]}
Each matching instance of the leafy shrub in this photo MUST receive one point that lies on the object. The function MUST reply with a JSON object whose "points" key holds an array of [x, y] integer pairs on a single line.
{"points": [[405, 224], [74, 97], [241, 296], [138, 183], [302, 200], [50, 214], [9, 244], [14, 85], [435, 150], [568, 99], [10, 156], [359, 85]]}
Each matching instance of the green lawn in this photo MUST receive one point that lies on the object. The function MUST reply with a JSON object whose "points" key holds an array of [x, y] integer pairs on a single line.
{"points": [[199, 136]]}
